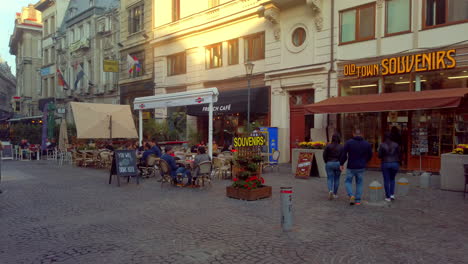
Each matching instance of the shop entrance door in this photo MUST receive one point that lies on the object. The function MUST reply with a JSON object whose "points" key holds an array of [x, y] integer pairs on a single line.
{"points": [[397, 122], [300, 123]]}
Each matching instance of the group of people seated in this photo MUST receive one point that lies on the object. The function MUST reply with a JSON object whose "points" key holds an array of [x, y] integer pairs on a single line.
{"points": [[151, 148], [27, 148]]}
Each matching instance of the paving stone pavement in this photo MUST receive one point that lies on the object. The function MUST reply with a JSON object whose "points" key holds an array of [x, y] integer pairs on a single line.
{"points": [[52, 214]]}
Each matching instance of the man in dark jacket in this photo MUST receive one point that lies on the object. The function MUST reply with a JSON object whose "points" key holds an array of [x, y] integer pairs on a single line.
{"points": [[358, 152]]}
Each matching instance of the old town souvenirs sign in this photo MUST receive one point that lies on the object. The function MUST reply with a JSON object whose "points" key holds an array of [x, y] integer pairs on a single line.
{"points": [[249, 141], [437, 60]]}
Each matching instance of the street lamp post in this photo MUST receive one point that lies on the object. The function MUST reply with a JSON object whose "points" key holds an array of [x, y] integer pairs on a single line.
{"points": [[248, 72]]}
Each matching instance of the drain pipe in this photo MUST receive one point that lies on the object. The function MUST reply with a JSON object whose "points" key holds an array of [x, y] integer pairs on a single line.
{"points": [[332, 58]]}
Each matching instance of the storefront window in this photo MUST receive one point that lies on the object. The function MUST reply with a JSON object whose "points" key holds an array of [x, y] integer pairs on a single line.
{"points": [[461, 129], [444, 80], [400, 83], [359, 87], [368, 123], [432, 132]]}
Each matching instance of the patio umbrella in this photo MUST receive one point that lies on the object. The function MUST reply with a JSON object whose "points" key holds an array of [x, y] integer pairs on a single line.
{"points": [[63, 136], [103, 121]]}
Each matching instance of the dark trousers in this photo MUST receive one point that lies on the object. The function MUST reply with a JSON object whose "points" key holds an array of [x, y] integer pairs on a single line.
{"points": [[389, 171]]}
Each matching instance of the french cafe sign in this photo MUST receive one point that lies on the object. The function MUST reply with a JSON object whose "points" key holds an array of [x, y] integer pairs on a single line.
{"points": [[437, 60]]}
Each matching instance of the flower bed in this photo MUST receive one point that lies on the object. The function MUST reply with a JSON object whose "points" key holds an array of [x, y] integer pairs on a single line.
{"points": [[312, 145]]}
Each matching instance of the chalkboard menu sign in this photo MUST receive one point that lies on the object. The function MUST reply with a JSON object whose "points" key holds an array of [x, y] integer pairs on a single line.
{"points": [[7, 151], [304, 164], [124, 164]]}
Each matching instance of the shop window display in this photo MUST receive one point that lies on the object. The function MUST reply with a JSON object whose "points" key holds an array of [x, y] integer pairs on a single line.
{"points": [[368, 123], [432, 132], [400, 83], [444, 80]]}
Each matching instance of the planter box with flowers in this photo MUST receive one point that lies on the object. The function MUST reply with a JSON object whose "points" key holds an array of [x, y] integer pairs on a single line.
{"points": [[451, 169], [310, 147], [248, 183]]}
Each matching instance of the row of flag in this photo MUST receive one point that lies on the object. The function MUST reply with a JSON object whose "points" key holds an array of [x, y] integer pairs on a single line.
{"points": [[133, 65]]}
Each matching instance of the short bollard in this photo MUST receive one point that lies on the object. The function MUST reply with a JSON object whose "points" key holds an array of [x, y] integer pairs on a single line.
{"points": [[375, 192], [425, 180], [286, 208], [403, 186]]}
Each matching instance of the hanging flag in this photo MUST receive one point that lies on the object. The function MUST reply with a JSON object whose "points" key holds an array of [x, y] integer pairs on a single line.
{"points": [[61, 80], [79, 76], [137, 64], [130, 63]]}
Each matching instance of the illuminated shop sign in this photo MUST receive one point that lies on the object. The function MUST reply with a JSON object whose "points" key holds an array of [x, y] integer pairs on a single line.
{"points": [[248, 141], [437, 60]]}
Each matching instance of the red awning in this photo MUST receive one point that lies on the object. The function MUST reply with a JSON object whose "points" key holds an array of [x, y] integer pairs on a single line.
{"points": [[433, 99]]}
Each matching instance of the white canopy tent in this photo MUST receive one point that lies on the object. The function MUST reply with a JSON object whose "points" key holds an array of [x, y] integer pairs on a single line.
{"points": [[202, 96]]}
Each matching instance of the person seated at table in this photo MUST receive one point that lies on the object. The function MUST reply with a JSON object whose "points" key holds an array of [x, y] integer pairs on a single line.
{"points": [[193, 149], [199, 158], [52, 144], [24, 146], [154, 149], [215, 146], [175, 169], [109, 146], [147, 152]]}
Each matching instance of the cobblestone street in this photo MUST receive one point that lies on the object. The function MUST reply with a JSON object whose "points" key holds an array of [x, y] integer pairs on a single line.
{"points": [[51, 214]]}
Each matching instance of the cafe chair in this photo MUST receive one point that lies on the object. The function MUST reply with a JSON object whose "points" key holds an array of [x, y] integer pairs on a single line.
{"points": [[165, 172], [220, 168], [150, 167], [272, 164], [204, 173]]}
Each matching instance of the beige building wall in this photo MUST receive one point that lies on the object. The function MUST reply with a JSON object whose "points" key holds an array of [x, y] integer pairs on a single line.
{"points": [[25, 44]]}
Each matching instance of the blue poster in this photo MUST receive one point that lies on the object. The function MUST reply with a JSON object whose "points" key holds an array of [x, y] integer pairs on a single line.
{"points": [[272, 140]]}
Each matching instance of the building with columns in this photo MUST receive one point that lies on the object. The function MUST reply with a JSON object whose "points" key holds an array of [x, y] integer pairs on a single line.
{"points": [[202, 44], [25, 44]]}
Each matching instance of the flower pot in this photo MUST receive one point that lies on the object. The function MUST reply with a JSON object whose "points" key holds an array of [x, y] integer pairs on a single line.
{"points": [[248, 195]]}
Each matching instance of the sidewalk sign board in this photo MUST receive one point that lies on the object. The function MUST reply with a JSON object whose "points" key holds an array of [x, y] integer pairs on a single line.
{"points": [[124, 164], [7, 151], [304, 165]]}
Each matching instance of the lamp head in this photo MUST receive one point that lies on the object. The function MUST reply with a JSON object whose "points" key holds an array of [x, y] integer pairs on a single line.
{"points": [[249, 68]]}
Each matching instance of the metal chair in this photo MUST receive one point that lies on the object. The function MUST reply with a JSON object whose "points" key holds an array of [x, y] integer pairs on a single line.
{"points": [[272, 164], [204, 173]]}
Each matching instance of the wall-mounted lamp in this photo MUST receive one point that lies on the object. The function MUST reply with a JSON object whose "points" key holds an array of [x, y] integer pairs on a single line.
{"points": [[145, 36], [120, 45]]}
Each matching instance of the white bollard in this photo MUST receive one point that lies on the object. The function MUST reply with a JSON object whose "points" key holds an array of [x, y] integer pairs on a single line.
{"points": [[402, 186], [375, 192], [425, 180], [286, 208]]}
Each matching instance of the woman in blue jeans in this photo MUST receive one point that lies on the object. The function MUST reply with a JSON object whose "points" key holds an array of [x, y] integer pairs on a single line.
{"points": [[389, 153], [331, 156]]}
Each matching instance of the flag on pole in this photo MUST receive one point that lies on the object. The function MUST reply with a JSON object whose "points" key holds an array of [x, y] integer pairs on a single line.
{"points": [[79, 76], [130, 63], [137, 64], [61, 80]]}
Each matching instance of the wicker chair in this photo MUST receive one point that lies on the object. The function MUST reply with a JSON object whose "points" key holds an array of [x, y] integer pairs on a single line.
{"points": [[204, 173], [77, 158], [165, 172], [150, 167], [220, 167], [105, 159], [466, 179]]}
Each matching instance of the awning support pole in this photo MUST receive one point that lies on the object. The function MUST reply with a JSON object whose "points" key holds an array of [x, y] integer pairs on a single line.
{"points": [[210, 131], [140, 126]]}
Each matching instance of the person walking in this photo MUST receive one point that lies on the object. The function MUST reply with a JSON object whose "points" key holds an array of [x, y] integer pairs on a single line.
{"points": [[331, 156], [389, 153], [357, 152]]}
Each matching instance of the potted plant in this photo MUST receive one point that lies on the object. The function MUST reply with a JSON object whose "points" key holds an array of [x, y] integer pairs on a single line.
{"points": [[248, 184]]}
